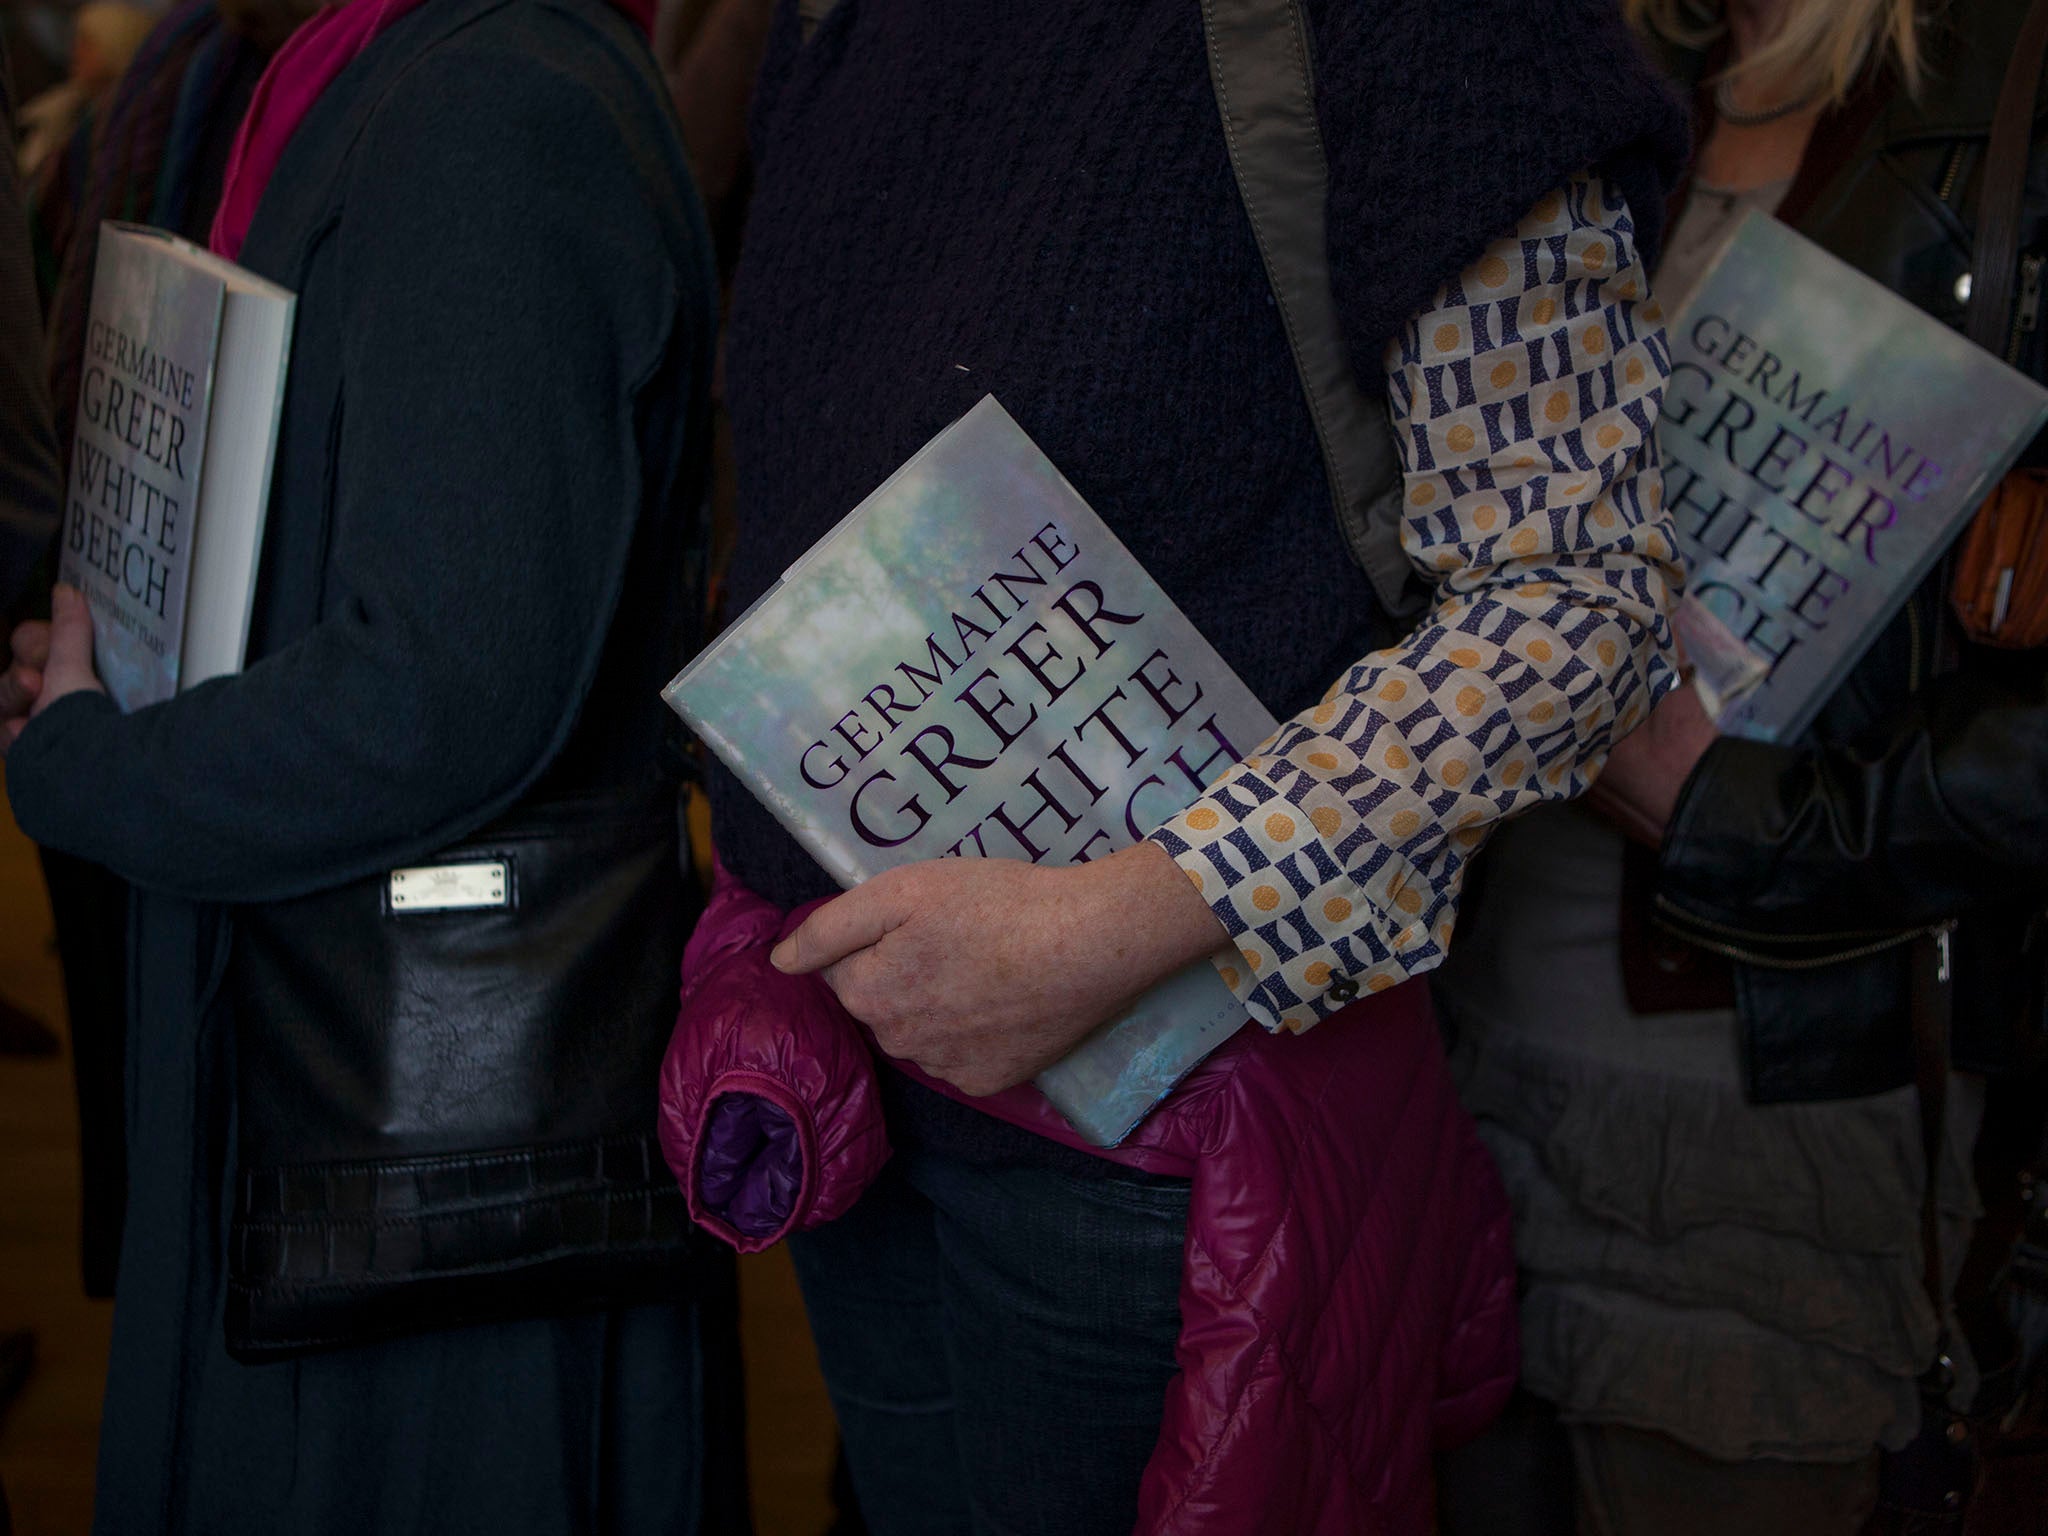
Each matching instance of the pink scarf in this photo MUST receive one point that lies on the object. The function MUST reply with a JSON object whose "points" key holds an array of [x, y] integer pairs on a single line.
{"points": [[303, 68]]}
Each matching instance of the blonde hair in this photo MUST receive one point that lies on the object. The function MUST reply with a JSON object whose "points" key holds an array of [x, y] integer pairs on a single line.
{"points": [[116, 30], [1819, 53]]}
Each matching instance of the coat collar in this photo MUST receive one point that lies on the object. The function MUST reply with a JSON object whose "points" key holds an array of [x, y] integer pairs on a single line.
{"points": [[304, 197]]}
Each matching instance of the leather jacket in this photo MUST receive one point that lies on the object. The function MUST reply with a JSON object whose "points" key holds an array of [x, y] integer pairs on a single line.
{"points": [[1917, 805]]}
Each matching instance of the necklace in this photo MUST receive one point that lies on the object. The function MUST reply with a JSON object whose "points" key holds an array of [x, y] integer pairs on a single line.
{"points": [[1742, 117]]}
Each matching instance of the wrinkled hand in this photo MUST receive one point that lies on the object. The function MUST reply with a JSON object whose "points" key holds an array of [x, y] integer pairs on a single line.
{"points": [[1638, 789], [50, 661], [985, 971], [22, 683]]}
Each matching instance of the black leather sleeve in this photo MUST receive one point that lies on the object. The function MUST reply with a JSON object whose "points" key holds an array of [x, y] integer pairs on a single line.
{"points": [[29, 492], [1944, 813]]}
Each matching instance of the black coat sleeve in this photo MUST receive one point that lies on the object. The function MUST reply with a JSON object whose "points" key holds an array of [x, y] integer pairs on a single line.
{"points": [[1945, 813], [29, 491], [507, 289]]}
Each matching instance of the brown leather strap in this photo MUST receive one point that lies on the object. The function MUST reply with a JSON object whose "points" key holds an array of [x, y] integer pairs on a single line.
{"points": [[1995, 272], [1995, 269]]}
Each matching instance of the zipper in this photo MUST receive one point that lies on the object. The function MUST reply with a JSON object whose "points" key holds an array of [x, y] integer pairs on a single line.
{"points": [[1950, 172], [1687, 919], [1747, 956]]}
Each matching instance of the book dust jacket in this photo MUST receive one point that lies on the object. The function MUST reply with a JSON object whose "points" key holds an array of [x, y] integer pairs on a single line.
{"points": [[144, 400], [971, 665], [1824, 442]]}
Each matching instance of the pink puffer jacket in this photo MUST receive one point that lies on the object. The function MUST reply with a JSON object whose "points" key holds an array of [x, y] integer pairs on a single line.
{"points": [[1347, 1300]]}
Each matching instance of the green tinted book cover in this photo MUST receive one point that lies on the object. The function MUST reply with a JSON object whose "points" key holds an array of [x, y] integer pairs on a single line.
{"points": [[144, 401], [1824, 442], [971, 665]]}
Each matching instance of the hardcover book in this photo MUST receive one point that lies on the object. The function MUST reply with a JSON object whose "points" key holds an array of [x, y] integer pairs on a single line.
{"points": [[1824, 441], [971, 665], [178, 408]]}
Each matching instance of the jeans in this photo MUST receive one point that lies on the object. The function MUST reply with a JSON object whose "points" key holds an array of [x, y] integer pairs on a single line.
{"points": [[997, 1334]]}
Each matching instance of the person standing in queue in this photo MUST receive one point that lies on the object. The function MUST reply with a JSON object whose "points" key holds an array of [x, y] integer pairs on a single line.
{"points": [[1701, 1092], [485, 486], [960, 200]]}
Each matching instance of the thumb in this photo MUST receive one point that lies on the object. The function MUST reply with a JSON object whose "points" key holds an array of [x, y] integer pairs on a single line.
{"points": [[843, 926], [70, 665]]}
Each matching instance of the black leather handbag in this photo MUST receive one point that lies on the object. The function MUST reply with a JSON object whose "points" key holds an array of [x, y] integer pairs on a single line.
{"points": [[447, 1079]]}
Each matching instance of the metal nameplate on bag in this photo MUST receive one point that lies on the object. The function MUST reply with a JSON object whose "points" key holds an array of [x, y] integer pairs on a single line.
{"points": [[451, 887]]}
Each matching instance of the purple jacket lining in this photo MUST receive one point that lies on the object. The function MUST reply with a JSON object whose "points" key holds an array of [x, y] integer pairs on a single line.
{"points": [[752, 1169]]}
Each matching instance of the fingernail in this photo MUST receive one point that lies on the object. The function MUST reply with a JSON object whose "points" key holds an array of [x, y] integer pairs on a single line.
{"points": [[63, 597], [783, 955]]}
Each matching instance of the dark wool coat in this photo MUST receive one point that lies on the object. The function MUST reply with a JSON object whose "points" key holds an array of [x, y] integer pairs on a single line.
{"points": [[503, 339]]}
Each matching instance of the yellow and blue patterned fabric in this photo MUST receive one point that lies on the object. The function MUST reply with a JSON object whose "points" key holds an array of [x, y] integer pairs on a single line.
{"points": [[1524, 398]]}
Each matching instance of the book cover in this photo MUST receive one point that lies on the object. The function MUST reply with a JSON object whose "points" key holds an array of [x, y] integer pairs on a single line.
{"points": [[972, 665], [180, 398], [144, 400], [1824, 441]]}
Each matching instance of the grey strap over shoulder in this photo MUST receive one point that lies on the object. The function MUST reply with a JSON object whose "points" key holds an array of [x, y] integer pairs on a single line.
{"points": [[1259, 64]]}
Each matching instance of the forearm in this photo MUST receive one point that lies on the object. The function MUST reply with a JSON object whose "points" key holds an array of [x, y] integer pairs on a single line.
{"points": [[331, 760], [1335, 854], [467, 588]]}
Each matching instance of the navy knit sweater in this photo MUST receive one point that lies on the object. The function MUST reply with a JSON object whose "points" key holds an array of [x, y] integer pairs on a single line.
{"points": [[959, 197]]}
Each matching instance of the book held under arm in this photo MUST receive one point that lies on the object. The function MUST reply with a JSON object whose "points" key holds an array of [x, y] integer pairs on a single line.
{"points": [[1824, 442], [971, 665], [179, 401]]}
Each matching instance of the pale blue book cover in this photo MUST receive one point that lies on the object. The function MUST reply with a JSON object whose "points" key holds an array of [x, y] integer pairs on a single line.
{"points": [[972, 665], [144, 401], [1824, 442]]}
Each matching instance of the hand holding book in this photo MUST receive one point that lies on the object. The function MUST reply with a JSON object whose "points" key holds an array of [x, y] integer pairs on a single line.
{"points": [[50, 661], [971, 666], [984, 972], [23, 679], [1823, 442]]}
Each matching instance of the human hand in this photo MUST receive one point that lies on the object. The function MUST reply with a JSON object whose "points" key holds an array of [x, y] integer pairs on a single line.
{"points": [[1638, 789], [983, 972], [22, 683], [50, 661]]}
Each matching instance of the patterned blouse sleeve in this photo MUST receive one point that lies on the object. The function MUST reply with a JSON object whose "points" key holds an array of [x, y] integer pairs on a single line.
{"points": [[1524, 400]]}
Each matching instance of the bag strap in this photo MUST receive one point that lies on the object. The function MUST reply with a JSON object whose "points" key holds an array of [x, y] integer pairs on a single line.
{"points": [[1263, 75], [1996, 258], [810, 13]]}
